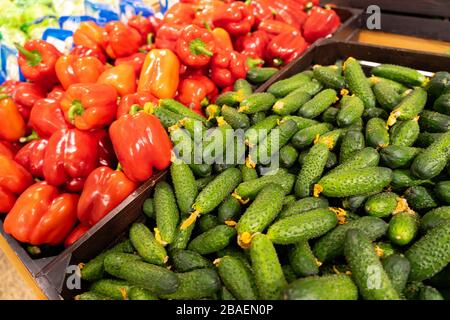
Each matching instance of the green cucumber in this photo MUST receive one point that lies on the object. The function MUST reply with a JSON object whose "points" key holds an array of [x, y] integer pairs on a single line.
{"points": [[301, 122], [237, 278], [203, 182], [213, 111], [328, 287], [195, 284], [212, 240], [405, 133], [308, 225], [269, 276], [291, 103], [410, 106], [235, 119], [318, 104], [357, 82], [186, 260], [397, 268], [331, 245], [258, 216], [403, 178], [248, 173], [207, 222], [395, 156], [260, 130], [330, 115], [166, 212], [404, 75], [403, 227], [331, 138], [305, 137], [367, 270], [352, 142], [137, 293], [179, 108], [257, 117], [438, 83], [432, 121], [434, 218], [377, 134], [387, 95], [91, 296], [146, 245], [303, 205], [182, 237], [302, 260], [425, 139], [288, 156], [226, 295], [442, 104], [385, 248], [230, 209], [257, 102], [367, 157], [331, 161], [114, 289], [420, 198], [329, 76], [230, 98], [149, 208], [283, 87], [382, 204], [351, 109], [429, 293], [184, 184], [243, 86], [353, 203], [400, 88], [374, 113], [345, 183], [260, 75], [289, 273], [430, 254], [157, 279], [167, 117]]}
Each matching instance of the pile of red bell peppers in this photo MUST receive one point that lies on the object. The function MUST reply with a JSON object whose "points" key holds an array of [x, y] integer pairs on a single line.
{"points": [[75, 140]]}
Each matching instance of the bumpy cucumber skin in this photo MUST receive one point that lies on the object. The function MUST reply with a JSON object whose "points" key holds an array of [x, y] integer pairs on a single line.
{"points": [[114, 289], [318, 104], [195, 284], [167, 117], [182, 238], [364, 158], [288, 156], [230, 98], [237, 278], [430, 254], [181, 109], [387, 96], [329, 115], [433, 159], [404, 75], [405, 133], [226, 295], [146, 245], [184, 184], [430, 293], [357, 82], [354, 203], [398, 156], [91, 296], [434, 218], [263, 210], [257, 102], [438, 83], [248, 173], [154, 278], [302, 260], [289, 273], [148, 208], [367, 270], [432, 121], [329, 76], [212, 240], [425, 139], [235, 119], [166, 211], [351, 109], [230, 209], [305, 137], [331, 138], [207, 222], [442, 104], [303, 205], [257, 117], [308, 225], [352, 142], [137, 293], [269, 276], [291, 103], [410, 106], [186, 260], [329, 287], [283, 87], [374, 113], [359, 181], [243, 86], [397, 268], [311, 170], [377, 134], [403, 228], [381, 205], [94, 269], [260, 75], [203, 182], [217, 190], [332, 244], [251, 135], [420, 198], [403, 178]]}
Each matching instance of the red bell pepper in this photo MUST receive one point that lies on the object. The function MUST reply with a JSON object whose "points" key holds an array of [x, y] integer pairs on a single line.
{"points": [[195, 46], [141, 25], [12, 125], [90, 106], [222, 39], [122, 40], [31, 157], [253, 44], [197, 91], [135, 60], [121, 77], [130, 100], [160, 74], [285, 47], [90, 35], [155, 22], [180, 13], [167, 36], [80, 51], [70, 157], [7, 149], [79, 231], [42, 215], [37, 59], [47, 117], [73, 69], [274, 27], [106, 155], [141, 144], [285, 16], [14, 179], [297, 8], [24, 94], [104, 190], [235, 17], [261, 10], [56, 93], [320, 23]]}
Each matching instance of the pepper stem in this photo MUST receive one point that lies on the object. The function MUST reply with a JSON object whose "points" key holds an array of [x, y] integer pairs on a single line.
{"points": [[33, 57], [134, 109], [207, 26], [198, 47], [150, 37], [119, 167], [31, 137], [76, 109], [252, 63], [277, 62]]}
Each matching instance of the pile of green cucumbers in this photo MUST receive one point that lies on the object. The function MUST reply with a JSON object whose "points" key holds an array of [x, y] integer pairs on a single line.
{"points": [[359, 208]]}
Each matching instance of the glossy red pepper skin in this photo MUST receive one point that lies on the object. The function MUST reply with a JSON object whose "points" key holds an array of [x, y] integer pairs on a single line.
{"points": [[235, 17], [285, 47], [12, 124], [42, 215], [90, 106], [139, 99], [141, 144], [81, 51], [70, 157], [195, 46], [90, 35], [227, 67], [180, 14], [79, 231], [142, 25], [296, 8], [72, 69], [31, 157], [8, 149], [14, 179], [253, 44], [122, 40], [104, 190], [167, 36], [121, 77], [261, 10], [56, 93], [274, 27], [135, 60], [196, 91], [47, 117], [106, 155], [320, 23], [286, 17], [37, 59], [24, 94]]}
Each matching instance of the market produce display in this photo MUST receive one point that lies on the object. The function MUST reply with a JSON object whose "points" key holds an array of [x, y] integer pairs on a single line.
{"points": [[358, 209]]}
